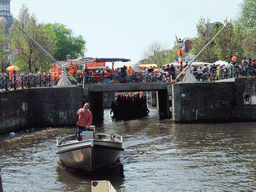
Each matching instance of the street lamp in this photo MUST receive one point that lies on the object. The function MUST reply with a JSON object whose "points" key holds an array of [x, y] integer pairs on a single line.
{"points": [[68, 57], [180, 44]]}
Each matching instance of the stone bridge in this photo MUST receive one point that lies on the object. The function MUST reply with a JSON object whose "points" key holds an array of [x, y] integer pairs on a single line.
{"points": [[127, 87], [93, 93]]}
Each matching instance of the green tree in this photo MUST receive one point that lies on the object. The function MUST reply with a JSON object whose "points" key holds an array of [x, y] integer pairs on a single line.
{"points": [[248, 15], [67, 43], [247, 24], [204, 35], [3, 42], [228, 41], [223, 43], [156, 53], [31, 57], [249, 44], [172, 54], [237, 41]]}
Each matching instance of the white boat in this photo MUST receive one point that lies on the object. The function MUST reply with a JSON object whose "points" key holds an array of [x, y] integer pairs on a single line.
{"points": [[92, 153]]}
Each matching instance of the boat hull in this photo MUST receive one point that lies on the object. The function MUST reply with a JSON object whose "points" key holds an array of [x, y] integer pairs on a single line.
{"points": [[90, 155]]}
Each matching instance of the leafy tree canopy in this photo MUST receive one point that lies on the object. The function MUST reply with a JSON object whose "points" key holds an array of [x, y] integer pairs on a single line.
{"points": [[156, 53], [4, 63], [31, 57], [67, 43], [204, 35], [248, 14]]}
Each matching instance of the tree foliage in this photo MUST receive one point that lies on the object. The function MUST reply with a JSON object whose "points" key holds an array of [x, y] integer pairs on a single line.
{"points": [[204, 35], [223, 46], [172, 54], [228, 41], [248, 15], [156, 53], [56, 39], [240, 35], [3, 42], [249, 44], [67, 43], [247, 23], [31, 57]]}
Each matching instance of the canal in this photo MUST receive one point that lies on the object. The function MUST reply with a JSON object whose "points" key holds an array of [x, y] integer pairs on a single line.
{"points": [[159, 156]]}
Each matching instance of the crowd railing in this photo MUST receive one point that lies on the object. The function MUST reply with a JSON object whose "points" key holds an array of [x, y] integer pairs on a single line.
{"points": [[14, 82]]}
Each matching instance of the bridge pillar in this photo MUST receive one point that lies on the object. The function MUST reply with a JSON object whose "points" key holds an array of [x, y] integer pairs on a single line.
{"points": [[96, 105], [163, 104]]}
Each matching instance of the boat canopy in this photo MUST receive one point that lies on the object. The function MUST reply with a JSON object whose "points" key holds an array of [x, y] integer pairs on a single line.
{"points": [[140, 65], [85, 60]]}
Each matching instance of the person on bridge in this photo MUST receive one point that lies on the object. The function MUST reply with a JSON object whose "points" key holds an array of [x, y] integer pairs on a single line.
{"points": [[85, 119], [172, 71]]}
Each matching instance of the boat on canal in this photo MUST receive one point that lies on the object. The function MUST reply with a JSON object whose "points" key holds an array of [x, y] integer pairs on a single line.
{"points": [[94, 152]]}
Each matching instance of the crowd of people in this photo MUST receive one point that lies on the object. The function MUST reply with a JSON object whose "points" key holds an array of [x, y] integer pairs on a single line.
{"points": [[129, 106], [166, 73], [27, 80]]}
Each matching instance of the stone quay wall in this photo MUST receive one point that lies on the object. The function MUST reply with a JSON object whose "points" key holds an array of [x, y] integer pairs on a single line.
{"points": [[215, 101], [196, 102], [39, 107]]}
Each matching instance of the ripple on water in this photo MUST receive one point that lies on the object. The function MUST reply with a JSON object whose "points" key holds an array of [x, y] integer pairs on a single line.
{"points": [[158, 156]]}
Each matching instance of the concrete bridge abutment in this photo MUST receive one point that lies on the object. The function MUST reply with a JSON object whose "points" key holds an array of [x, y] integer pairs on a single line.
{"points": [[163, 104]]}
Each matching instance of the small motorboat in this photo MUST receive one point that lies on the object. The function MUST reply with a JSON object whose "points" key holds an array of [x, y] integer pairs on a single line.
{"points": [[93, 152]]}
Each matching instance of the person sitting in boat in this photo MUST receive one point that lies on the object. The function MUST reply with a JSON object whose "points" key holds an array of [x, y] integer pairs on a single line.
{"points": [[85, 119]]}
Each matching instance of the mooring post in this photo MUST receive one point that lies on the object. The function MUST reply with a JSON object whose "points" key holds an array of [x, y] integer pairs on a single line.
{"points": [[1, 186]]}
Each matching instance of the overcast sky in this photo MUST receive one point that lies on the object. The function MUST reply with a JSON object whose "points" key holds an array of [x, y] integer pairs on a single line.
{"points": [[124, 29]]}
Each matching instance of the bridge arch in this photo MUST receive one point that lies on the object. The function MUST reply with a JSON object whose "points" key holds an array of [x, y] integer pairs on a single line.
{"points": [[93, 93]]}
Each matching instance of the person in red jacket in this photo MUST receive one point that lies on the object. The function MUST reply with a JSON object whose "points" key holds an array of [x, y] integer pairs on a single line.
{"points": [[85, 119]]}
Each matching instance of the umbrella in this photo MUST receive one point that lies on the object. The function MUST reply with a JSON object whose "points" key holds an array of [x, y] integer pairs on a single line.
{"points": [[12, 68]]}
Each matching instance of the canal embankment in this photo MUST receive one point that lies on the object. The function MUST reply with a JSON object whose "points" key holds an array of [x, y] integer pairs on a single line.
{"points": [[39, 107], [186, 102], [214, 101]]}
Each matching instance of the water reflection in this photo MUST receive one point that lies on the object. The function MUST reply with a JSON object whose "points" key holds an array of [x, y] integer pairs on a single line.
{"points": [[75, 179], [216, 156], [159, 156]]}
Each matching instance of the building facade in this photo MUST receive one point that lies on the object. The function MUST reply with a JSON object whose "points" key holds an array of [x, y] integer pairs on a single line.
{"points": [[6, 18]]}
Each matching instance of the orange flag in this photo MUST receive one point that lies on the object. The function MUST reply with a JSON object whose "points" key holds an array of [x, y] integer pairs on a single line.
{"points": [[54, 66], [75, 68], [59, 71], [71, 64]]}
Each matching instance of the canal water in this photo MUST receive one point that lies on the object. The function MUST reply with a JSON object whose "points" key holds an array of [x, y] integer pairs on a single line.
{"points": [[159, 156]]}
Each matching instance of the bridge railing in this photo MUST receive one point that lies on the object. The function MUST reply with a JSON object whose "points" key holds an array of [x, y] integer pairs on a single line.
{"points": [[13, 82], [38, 80]]}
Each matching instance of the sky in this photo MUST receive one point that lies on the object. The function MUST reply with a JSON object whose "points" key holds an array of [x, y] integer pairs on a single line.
{"points": [[125, 29]]}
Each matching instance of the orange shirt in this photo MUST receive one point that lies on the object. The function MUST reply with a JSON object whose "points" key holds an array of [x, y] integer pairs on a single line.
{"points": [[129, 70], [85, 118]]}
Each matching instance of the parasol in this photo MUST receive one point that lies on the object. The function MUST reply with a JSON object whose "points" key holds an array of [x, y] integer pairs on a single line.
{"points": [[12, 68]]}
